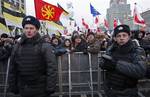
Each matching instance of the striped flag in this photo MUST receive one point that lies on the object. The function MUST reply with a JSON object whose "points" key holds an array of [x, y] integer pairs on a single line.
{"points": [[12, 17], [137, 18], [106, 24], [3, 26]]}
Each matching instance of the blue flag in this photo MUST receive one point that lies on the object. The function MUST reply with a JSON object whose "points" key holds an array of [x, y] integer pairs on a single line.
{"points": [[94, 12]]}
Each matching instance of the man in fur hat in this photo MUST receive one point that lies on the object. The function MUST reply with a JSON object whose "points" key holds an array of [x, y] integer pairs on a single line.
{"points": [[124, 63], [33, 63]]}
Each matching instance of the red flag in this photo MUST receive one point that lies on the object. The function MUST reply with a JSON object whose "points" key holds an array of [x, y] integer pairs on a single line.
{"points": [[137, 17], [99, 30], [106, 24], [84, 24], [115, 23], [96, 20], [47, 11]]}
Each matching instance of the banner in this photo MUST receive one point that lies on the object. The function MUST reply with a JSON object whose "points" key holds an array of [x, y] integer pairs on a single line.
{"points": [[94, 12], [47, 11], [12, 17], [3, 27], [137, 18]]}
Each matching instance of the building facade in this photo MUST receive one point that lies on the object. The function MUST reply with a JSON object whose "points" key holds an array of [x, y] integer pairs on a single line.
{"points": [[119, 9], [146, 16]]}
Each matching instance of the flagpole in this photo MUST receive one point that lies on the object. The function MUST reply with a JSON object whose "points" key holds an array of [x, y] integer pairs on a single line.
{"points": [[2, 4], [93, 21], [7, 27], [135, 26], [98, 21]]}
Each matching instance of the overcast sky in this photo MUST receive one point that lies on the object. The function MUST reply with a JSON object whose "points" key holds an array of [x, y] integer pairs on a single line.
{"points": [[82, 7]]}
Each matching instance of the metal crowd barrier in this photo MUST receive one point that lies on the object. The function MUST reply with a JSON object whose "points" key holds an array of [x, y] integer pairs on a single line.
{"points": [[79, 75]]}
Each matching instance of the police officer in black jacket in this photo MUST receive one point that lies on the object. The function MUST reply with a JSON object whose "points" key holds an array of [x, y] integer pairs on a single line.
{"points": [[124, 63], [33, 64]]}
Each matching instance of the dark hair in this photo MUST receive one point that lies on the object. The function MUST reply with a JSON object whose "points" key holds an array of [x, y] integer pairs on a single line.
{"points": [[4, 35], [90, 33], [59, 41], [69, 45]]}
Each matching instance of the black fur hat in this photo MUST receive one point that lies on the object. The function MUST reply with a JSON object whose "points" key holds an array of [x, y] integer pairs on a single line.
{"points": [[121, 28], [31, 20]]}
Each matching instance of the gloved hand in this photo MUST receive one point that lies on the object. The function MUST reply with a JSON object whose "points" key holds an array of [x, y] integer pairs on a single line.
{"points": [[107, 62], [49, 93]]}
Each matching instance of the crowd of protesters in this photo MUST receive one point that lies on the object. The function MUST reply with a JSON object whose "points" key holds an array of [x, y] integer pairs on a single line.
{"points": [[89, 42], [77, 42]]}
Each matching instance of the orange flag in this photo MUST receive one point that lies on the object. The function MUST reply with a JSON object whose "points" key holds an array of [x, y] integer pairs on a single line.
{"points": [[47, 11]]}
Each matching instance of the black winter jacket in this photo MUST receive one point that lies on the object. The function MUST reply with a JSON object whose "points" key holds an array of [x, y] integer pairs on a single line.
{"points": [[33, 68], [130, 66]]}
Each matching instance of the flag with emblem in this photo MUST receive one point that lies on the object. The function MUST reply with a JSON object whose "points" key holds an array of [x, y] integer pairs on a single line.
{"points": [[47, 11], [64, 11]]}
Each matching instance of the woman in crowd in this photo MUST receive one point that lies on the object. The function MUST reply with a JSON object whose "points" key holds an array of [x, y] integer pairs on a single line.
{"points": [[67, 45], [79, 45]]}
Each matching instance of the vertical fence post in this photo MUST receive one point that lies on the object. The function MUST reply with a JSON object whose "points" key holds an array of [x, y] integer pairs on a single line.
{"points": [[69, 72], [6, 79], [60, 75], [91, 76]]}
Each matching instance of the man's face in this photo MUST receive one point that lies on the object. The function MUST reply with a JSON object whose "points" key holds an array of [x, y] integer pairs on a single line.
{"points": [[30, 30], [122, 38]]}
